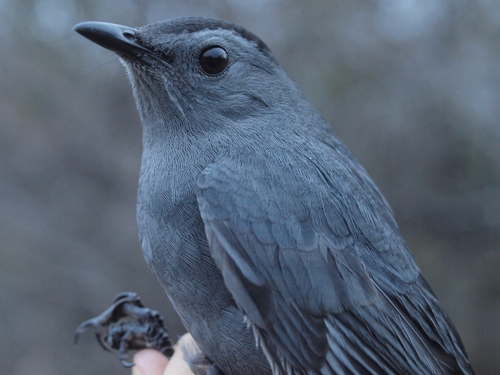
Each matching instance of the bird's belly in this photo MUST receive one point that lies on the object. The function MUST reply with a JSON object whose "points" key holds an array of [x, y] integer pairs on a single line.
{"points": [[179, 256]]}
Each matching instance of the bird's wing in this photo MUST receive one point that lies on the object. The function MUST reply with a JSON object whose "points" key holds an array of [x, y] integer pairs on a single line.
{"points": [[311, 254]]}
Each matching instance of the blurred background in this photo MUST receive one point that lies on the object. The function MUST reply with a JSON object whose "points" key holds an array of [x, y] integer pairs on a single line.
{"points": [[412, 87]]}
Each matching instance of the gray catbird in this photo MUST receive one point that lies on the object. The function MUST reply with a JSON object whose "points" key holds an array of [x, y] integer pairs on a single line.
{"points": [[274, 246]]}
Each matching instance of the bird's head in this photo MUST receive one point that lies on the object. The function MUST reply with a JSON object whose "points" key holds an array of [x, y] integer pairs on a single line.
{"points": [[195, 72]]}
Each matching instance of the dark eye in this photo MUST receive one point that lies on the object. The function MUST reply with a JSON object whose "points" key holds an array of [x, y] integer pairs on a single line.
{"points": [[213, 60]]}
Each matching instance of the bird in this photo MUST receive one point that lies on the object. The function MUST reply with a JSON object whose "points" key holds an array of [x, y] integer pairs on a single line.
{"points": [[273, 244]]}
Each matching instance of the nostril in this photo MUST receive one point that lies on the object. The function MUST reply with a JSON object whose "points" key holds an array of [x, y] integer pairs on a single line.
{"points": [[130, 35]]}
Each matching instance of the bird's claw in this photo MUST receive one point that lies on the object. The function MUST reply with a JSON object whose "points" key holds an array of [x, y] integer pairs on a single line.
{"points": [[128, 325]]}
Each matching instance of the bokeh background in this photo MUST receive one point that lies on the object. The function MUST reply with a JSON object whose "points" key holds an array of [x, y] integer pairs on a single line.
{"points": [[412, 87]]}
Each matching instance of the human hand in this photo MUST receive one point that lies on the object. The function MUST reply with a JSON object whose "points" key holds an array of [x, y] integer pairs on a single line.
{"points": [[152, 362]]}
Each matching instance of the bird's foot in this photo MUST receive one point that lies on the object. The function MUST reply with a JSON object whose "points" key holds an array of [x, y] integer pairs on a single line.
{"points": [[128, 325]]}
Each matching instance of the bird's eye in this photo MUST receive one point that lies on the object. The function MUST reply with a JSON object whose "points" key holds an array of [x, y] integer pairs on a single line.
{"points": [[213, 60]]}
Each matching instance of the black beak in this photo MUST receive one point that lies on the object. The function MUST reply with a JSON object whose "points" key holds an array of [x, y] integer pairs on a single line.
{"points": [[117, 38]]}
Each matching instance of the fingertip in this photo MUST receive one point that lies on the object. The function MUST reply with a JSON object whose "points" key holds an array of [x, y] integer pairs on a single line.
{"points": [[178, 364], [149, 362]]}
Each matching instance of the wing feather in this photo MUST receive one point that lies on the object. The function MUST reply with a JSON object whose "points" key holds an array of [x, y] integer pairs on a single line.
{"points": [[314, 259]]}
